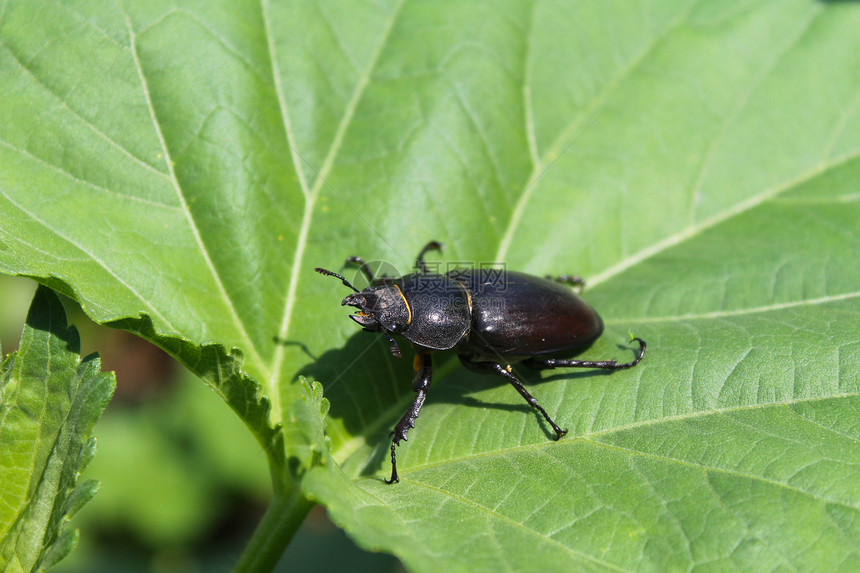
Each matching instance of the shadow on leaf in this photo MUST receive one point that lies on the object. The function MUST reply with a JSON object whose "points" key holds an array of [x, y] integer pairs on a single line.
{"points": [[370, 390]]}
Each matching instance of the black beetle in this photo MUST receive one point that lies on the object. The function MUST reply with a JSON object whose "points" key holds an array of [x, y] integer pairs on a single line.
{"points": [[489, 318]]}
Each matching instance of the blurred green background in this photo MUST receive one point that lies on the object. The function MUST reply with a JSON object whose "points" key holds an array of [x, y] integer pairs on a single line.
{"points": [[183, 483]]}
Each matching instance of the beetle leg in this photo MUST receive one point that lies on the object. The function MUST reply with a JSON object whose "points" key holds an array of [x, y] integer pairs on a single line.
{"points": [[431, 246], [572, 280], [550, 363], [420, 383], [362, 267], [395, 350], [486, 366]]}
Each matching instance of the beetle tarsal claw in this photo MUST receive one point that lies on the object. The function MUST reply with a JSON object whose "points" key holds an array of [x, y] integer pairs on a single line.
{"points": [[395, 350]]}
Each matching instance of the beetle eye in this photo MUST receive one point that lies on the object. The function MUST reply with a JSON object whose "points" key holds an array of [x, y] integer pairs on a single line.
{"points": [[396, 328]]}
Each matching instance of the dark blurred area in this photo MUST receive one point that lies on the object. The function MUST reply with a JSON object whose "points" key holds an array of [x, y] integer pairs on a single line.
{"points": [[183, 482]]}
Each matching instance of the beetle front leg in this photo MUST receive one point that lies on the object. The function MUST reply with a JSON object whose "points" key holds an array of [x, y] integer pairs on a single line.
{"points": [[505, 372], [420, 384], [550, 363]]}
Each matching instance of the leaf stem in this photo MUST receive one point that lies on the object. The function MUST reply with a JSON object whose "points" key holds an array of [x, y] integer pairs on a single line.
{"points": [[282, 519]]}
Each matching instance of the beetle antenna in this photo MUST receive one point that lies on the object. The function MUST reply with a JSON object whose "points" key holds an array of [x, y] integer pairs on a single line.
{"points": [[337, 276]]}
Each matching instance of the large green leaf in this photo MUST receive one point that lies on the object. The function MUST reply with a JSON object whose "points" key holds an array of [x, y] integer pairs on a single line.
{"points": [[697, 162], [50, 400]]}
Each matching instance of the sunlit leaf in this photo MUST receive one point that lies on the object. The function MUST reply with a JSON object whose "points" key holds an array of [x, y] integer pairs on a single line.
{"points": [[181, 167]]}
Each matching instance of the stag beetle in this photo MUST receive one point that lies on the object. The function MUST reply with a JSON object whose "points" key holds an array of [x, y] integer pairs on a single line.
{"points": [[490, 320]]}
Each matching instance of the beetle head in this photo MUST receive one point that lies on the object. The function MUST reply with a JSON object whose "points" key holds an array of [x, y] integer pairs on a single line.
{"points": [[380, 309]]}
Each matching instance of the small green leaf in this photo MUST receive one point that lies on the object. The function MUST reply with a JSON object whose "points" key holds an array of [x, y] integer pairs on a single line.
{"points": [[305, 434], [49, 402]]}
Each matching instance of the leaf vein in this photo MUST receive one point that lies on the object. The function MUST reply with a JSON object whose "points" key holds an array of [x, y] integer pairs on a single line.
{"points": [[503, 518], [743, 206], [99, 133], [738, 312], [310, 198], [74, 178], [740, 105], [91, 256], [192, 225], [557, 148], [592, 438]]}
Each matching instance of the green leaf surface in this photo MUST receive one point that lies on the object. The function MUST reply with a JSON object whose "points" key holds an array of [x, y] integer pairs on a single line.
{"points": [[50, 400], [181, 167]]}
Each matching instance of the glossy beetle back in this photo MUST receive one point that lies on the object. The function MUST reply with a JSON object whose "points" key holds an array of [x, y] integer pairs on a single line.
{"points": [[440, 311], [523, 315]]}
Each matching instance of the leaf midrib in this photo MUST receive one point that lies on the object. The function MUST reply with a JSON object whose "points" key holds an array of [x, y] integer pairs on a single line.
{"points": [[311, 196], [555, 151], [740, 105], [738, 312], [738, 209], [192, 224]]}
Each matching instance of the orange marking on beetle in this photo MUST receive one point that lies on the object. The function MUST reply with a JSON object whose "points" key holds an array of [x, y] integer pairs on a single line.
{"points": [[468, 296], [406, 302]]}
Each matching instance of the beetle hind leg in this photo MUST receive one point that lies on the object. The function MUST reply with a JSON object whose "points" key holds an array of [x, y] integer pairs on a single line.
{"points": [[573, 280], [431, 246], [550, 363], [505, 372], [420, 384], [362, 266]]}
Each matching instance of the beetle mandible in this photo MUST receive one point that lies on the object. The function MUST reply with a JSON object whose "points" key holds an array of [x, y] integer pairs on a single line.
{"points": [[489, 319]]}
